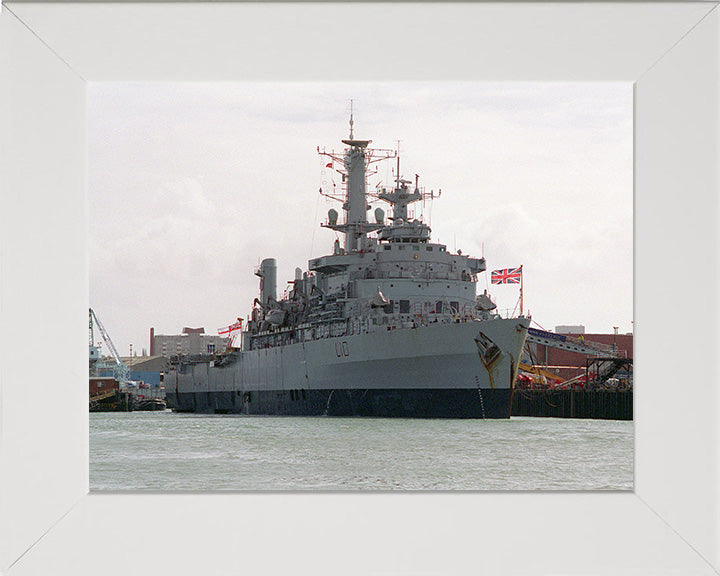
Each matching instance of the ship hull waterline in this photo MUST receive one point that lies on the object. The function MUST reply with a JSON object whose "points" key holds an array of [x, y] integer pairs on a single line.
{"points": [[442, 370]]}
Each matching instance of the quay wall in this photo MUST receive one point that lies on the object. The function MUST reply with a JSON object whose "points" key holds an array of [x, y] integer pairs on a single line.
{"points": [[597, 404]]}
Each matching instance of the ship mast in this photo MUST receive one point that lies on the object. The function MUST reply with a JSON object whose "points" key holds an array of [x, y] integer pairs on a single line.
{"points": [[356, 203], [355, 161], [351, 121]]}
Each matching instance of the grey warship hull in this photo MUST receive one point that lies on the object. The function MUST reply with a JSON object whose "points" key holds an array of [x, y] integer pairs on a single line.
{"points": [[387, 403], [460, 369]]}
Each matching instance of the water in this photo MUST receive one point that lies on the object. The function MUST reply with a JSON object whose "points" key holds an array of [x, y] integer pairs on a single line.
{"points": [[167, 451]]}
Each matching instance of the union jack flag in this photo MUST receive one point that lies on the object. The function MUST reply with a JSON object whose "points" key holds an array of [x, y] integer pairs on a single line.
{"points": [[506, 276]]}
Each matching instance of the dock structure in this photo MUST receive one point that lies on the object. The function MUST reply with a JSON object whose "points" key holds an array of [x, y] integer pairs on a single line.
{"points": [[111, 401], [591, 360], [599, 369], [581, 377], [578, 403], [107, 394], [569, 343]]}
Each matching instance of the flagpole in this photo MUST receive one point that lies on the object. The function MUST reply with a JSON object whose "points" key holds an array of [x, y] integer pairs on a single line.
{"points": [[521, 290]]}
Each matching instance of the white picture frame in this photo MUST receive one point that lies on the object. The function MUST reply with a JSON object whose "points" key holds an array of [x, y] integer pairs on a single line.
{"points": [[48, 521]]}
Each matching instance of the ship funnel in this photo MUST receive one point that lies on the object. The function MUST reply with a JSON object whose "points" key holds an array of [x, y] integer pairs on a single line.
{"points": [[332, 217], [379, 215], [268, 280]]}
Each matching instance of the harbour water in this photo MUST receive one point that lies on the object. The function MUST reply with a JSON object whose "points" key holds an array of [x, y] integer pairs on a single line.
{"points": [[164, 451]]}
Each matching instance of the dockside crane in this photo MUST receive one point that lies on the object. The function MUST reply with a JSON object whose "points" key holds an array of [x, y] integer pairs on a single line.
{"points": [[122, 372]]}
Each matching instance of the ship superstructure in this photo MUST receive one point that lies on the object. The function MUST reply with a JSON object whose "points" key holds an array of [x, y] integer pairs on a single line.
{"points": [[388, 324]]}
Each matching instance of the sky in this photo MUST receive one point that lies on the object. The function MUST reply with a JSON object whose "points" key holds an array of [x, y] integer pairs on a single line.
{"points": [[191, 185]]}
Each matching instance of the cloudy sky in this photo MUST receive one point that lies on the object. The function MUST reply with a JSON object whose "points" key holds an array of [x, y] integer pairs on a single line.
{"points": [[191, 185]]}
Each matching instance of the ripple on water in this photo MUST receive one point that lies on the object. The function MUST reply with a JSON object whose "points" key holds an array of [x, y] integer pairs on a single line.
{"points": [[166, 451]]}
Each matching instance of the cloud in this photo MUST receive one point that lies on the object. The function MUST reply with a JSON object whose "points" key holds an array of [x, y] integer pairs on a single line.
{"points": [[191, 184]]}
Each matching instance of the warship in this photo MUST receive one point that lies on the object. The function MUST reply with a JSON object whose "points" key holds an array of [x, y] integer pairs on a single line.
{"points": [[389, 324]]}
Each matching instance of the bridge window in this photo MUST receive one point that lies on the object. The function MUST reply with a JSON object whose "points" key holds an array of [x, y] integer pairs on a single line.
{"points": [[387, 247], [438, 307], [388, 308], [404, 306]]}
